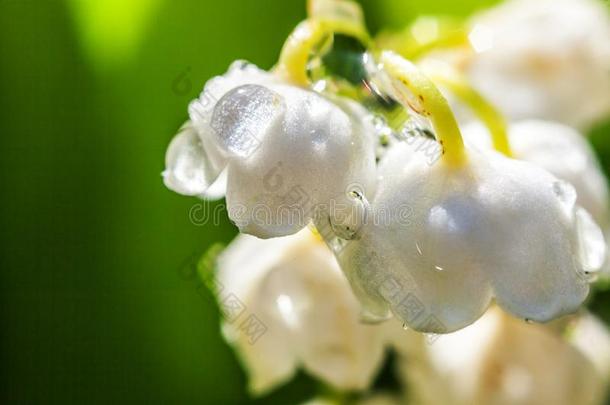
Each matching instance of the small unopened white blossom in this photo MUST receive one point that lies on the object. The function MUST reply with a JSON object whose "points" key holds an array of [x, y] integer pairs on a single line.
{"points": [[560, 150], [286, 150], [294, 287], [494, 228], [502, 360], [547, 59]]}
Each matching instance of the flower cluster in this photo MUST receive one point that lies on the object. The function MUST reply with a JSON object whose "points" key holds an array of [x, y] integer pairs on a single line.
{"points": [[391, 187]]}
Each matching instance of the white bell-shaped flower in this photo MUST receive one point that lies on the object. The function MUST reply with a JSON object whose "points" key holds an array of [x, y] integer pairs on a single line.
{"points": [[307, 314], [286, 150], [547, 59], [559, 149], [495, 228], [502, 360], [473, 227]]}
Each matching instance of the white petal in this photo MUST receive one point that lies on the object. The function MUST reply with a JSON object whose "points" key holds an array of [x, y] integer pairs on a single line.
{"points": [[293, 286], [498, 360], [311, 155], [415, 255], [532, 257], [270, 360], [218, 189], [560, 150]]}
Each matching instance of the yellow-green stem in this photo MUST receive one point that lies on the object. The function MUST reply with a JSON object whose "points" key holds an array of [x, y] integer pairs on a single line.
{"points": [[292, 65], [420, 94], [310, 34], [483, 109]]}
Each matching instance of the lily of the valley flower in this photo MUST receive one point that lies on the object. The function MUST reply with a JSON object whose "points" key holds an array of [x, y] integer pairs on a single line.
{"points": [[483, 227], [503, 360], [285, 149], [294, 287], [546, 59]]}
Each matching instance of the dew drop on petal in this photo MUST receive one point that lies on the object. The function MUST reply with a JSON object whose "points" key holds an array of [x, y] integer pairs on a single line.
{"points": [[566, 194], [591, 242], [242, 116], [188, 166], [240, 66], [348, 214]]}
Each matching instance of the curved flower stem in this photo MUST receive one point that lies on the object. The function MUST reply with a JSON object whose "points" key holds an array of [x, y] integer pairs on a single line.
{"points": [[483, 109], [326, 19], [292, 64], [427, 101]]}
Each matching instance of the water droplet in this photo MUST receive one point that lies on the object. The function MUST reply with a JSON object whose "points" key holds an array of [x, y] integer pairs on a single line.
{"points": [[418, 249], [439, 268], [348, 214], [189, 169], [405, 326], [243, 115], [527, 320], [240, 65]]}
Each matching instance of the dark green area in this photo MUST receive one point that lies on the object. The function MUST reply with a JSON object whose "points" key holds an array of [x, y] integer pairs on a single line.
{"points": [[99, 303]]}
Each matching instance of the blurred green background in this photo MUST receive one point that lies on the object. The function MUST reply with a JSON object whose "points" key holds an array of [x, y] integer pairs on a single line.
{"points": [[98, 301]]}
